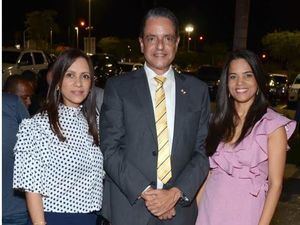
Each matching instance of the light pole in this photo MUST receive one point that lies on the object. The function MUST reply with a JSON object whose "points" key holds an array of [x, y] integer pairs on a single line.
{"points": [[189, 29], [77, 37], [90, 25], [88, 47], [24, 38], [51, 37]]}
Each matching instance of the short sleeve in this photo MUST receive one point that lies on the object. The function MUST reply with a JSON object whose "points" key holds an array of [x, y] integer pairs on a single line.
{"points": [[270, 122], [29, 163], [275, 120]]}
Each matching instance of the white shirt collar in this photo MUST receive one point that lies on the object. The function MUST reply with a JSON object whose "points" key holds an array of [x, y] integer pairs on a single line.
{"points": [[169, 75]]}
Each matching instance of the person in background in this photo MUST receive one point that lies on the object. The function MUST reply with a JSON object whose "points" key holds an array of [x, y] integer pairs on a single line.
{"points": [[153, 126], [20, 86], [14, 209], [247, 144], [58, 163], [39, 98]]}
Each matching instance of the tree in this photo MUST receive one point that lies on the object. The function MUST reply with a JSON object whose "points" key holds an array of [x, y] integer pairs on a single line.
{"points": [[124, 48], [242, 8], [39, 25], [216, 52], [284, 47]]}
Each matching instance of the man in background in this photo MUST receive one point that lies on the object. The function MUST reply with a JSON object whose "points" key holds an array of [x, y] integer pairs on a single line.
{"points": [[20, 86], [13, 203]]}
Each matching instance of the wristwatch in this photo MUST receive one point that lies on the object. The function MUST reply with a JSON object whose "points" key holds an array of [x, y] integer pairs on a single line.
{"points": [[184, 200]]}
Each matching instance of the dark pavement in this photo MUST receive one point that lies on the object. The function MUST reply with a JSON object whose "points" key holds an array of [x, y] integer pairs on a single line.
{"points": [[288, 209]]}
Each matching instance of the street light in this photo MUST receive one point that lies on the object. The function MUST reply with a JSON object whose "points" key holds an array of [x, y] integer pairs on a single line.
{"points": [[189, 29], [77, 36]]}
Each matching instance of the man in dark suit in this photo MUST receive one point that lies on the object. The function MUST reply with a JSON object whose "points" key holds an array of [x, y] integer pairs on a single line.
{"points": [[14, 209], [152, 128]]}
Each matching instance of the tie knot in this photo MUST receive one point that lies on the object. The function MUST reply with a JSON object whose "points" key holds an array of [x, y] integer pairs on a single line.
{"points": [[160, 80]]}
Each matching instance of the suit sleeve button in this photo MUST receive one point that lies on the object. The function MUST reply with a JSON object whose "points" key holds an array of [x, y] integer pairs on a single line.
{"points": [[154, 153]]}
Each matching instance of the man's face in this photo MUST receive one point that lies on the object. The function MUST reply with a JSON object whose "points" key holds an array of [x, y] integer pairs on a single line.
{"points": [[159, 44], [24, 90]]}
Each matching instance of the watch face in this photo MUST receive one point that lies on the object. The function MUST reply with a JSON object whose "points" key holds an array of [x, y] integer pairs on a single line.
{"points": [[184, 198]]}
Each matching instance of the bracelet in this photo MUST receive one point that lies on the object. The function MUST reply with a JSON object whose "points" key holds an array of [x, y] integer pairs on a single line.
{"points": [[40, 223]]}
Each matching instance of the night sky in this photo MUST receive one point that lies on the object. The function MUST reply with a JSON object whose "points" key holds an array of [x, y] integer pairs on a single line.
{"points": [[212, 18]]}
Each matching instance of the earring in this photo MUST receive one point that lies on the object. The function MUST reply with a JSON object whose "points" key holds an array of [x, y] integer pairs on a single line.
{"points": [[257, 92], [57, 93], [229, 95]]}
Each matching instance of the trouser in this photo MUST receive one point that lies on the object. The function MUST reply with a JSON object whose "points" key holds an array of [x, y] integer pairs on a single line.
{"points": [[16, 219]]}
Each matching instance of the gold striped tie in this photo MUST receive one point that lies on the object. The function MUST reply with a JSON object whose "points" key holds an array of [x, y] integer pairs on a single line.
{"points": [[163, 160]]}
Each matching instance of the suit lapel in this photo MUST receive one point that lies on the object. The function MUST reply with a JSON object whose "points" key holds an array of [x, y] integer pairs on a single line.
{"points": [[144, 96], [180, 108]]}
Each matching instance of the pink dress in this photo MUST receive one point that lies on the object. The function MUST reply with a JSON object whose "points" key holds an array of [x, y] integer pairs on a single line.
{"points": [[236, 189]]}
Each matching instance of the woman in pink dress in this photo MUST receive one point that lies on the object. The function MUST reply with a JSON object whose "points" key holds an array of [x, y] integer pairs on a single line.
{"points": [[247, 144]]}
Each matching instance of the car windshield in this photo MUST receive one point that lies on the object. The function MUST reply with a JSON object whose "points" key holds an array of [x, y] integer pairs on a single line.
{"points": [[209, 73], [103, 60], [297, 81], [10, 57]]}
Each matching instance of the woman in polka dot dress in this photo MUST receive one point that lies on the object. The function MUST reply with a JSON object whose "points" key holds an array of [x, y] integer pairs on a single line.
{"points": [[58, 162]]}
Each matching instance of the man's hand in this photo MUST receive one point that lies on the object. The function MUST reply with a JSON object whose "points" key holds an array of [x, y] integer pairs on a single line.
{"points": [[168, 215], [161, 201], [147, 197]]}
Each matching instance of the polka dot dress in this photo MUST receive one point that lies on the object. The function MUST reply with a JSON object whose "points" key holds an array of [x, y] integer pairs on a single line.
{"points": [[69, 175]]}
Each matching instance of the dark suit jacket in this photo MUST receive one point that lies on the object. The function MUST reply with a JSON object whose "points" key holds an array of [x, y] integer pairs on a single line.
{"points": [[13, 112], [129, 144], [99, 97]]}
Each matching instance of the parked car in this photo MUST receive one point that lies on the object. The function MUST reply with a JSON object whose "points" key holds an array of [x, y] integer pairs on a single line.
{"points": [[211, 76], [129, 66], [294, 92], [277, 88], [105, 66], [22, 62]]}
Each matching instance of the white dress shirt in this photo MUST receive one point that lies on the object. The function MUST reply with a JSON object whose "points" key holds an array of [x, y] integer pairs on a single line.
{"points": [[169, 88]]}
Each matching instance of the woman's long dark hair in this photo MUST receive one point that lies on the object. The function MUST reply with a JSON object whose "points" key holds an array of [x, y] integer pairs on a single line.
{"points": [[54, 98], [222, 125]]}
